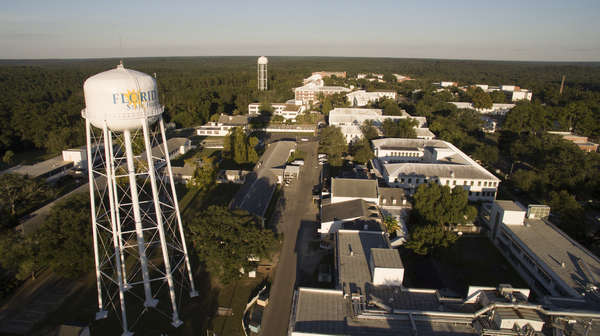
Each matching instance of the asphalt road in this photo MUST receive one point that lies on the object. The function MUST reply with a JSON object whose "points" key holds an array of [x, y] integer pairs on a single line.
{"points": [[297, 211]]}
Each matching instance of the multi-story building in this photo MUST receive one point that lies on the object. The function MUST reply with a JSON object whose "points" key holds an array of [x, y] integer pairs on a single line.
{"points": [[362, 97], [287, 111], [370, 298], [581, 141], [324, 74], [54, 168], [401, 78], [310, 93], [554, 265], [349, 120], [223, 125], [408, 163], [496, 109]]}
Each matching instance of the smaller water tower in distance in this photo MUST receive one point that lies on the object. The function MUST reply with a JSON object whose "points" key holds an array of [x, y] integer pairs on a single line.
{"points": [[262, 73], [141, 256]]}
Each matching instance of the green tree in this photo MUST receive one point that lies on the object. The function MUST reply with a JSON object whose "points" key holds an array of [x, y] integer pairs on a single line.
{"points": [[204, 176], [19, 254], [391, 224], [498, 97], [252, 154], [435, 204], [430, 238], [65, 238], [570, 214], [403, 128], [369, 131], [224, 240], [326, 106], [8, 157], [487, 154], [361, 151], [332, 143], [390, 107], [524, 179], [480, 98], [21, 194]]}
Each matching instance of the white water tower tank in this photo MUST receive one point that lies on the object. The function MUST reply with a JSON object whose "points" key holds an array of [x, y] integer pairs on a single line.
{"points": [[121, 97]]}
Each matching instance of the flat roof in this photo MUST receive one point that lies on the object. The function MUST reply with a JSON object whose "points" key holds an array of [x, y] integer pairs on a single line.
{"points": [[509, 205], [554, 248], [238, 120], [353, 253], [344, 210], [445, 170], [39, 168], [320, 311], [386, 258], [346, 187]]}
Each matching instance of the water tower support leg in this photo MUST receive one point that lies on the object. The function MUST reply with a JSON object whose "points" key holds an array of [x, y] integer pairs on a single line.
{"points": [[159, 223], [137, 217]]}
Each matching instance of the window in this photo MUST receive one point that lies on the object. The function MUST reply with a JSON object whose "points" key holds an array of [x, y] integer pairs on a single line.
{"points": [[485, 184], [477, 193], [470, 193], [401, 180], [409, 180], [465, 182], [447, 182], [479, 183], [417, 181], [454, 182], [472, 182]]}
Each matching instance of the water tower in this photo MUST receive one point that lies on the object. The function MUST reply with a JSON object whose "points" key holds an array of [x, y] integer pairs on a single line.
{"points": [[140, 251], [262, 73]]}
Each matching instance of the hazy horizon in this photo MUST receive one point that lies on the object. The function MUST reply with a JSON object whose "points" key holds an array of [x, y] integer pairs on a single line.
{"points": [[549, 31]]}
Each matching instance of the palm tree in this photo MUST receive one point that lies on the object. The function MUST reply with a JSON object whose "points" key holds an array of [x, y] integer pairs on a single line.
{"points": [[391, 224]]}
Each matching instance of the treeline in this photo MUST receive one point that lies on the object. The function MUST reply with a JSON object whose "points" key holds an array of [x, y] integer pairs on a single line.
{"points": [[43, 99]]}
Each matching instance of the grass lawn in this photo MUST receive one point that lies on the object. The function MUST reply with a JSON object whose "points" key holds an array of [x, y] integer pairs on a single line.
{"points": [[471, 261], [235, 296]]}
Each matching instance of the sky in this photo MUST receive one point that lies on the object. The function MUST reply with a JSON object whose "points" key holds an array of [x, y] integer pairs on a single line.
{"points": [[566, 30]]}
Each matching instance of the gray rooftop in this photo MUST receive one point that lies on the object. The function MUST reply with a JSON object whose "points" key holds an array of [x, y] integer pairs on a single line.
{"points": [[39, 168], [237, 120], [255, 195], [344, 187], [320, 311], [345, 210], [386, 258], [509, 205], [353, 253], [429, 170], [553, 247], [390, 195]]}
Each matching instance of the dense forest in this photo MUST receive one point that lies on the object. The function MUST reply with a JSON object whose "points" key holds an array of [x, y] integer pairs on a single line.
{"points": [[43, 99]]}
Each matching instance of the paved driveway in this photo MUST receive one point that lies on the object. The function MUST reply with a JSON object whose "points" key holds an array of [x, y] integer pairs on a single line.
{"points": [[298, 214]]}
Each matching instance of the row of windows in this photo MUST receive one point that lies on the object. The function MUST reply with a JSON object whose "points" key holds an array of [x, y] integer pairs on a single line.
{"points": [[524, 255], [483, 193], [418, 180], [472, 183], [408, 154]]}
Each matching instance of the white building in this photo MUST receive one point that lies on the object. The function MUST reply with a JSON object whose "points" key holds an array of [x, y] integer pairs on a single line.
{"points": [[496, 109], [408, 163], [223, 125], [401, 78], [309, 93], [349, 120], [315, 78], [553, 265], [287, 111], [521, 95], [362, 97], [448, 84], [54, 168], [346, 189]]}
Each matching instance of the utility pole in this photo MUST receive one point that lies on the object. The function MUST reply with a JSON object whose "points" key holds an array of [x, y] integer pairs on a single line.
{"points": [[562, 85]]}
